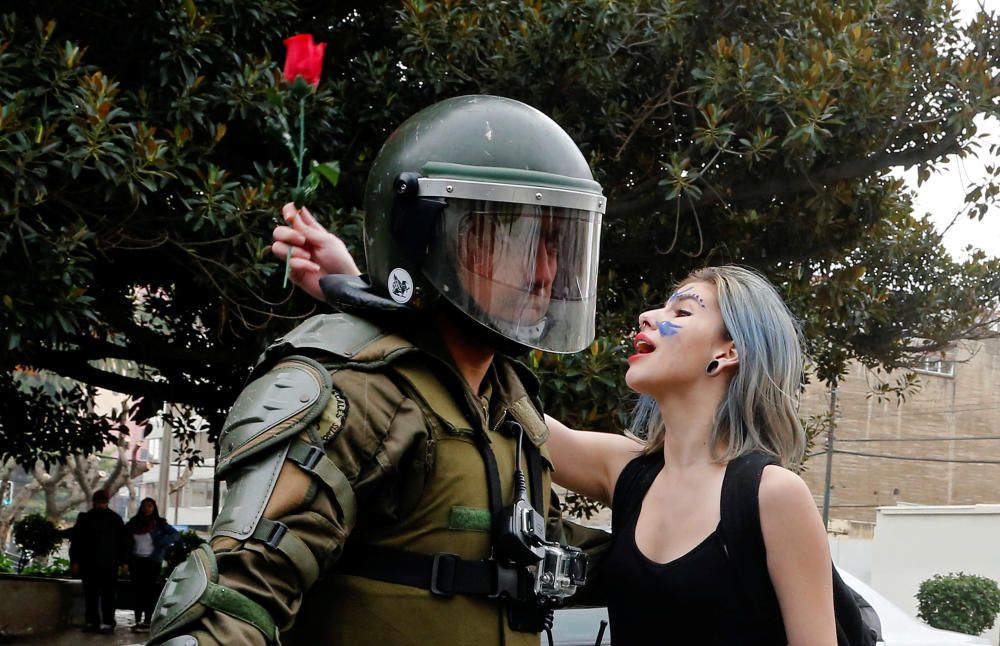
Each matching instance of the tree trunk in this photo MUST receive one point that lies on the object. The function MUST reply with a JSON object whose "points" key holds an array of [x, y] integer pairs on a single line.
{"points": [[66, 486], [10, 513]]}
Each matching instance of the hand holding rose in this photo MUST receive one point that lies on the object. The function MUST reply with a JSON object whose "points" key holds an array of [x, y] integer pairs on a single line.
{"points": [[303, 66], [313, 251]]}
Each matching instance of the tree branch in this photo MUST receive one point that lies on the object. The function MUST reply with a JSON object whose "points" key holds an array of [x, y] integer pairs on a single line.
{"points": [[73, 364], [793, 184], [182, 481]]}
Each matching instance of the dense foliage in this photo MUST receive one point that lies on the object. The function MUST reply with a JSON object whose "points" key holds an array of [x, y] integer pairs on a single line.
{"points": [[37, 536], [962, 602], [142, 162]]}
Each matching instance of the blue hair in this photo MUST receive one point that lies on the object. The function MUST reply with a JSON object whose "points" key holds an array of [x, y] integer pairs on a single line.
{"points": [[760, 409]]}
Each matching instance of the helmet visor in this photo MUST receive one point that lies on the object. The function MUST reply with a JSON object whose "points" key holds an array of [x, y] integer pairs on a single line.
{"points": [[526, 271]]}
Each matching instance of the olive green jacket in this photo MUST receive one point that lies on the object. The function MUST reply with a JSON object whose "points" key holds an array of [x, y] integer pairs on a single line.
{"points": [[400, 426]]}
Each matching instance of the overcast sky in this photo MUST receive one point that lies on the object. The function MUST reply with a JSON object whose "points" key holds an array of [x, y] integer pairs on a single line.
{"points": [[943, 196]]}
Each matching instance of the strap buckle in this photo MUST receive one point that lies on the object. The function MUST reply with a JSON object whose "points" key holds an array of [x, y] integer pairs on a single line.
{"points": [[312, 457], [443, 574], [274, 536], [508, 581]]}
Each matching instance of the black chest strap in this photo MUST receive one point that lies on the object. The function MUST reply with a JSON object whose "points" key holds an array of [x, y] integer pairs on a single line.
{"points": [[492, 475], [447, 574], [534, 456], [443, 574]]}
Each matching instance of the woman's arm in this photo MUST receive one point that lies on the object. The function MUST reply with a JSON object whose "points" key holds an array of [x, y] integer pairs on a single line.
{"points": [[588, 462], [798, 558]]}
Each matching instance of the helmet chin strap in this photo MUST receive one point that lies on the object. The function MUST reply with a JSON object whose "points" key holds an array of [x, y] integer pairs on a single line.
{"points": [[530, 334], [356, 294], [487, 336]]}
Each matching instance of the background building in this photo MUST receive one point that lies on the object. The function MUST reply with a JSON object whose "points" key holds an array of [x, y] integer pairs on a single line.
{"points": [[190, 504], [940, 447]]}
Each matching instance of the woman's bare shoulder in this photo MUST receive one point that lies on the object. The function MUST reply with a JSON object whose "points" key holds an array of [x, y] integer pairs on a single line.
{"points": [[784, 494]]}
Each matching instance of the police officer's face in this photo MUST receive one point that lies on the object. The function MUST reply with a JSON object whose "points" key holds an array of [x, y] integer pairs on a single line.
{"points": [[511, 261]]}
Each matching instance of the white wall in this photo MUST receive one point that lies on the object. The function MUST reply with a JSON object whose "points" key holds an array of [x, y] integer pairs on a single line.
{"points": [[853, 555], [913, 543]]}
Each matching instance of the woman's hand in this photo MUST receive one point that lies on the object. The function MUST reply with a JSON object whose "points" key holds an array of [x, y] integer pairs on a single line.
{"points": [[315, 251]]}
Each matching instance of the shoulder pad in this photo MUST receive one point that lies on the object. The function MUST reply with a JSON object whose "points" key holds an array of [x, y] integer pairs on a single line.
{"points": [[274, 407], [342, 335]]}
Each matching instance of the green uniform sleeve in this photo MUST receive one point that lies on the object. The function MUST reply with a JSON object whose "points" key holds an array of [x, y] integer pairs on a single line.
{"points": [[368, 431], [594, 542]]}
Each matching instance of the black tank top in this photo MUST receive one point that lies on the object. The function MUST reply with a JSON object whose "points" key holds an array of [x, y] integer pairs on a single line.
{"points": [[694, 599]]}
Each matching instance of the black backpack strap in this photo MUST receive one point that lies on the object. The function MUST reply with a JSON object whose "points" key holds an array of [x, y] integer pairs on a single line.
{"points": [[631, 487], [741, 533], [744, 541]]}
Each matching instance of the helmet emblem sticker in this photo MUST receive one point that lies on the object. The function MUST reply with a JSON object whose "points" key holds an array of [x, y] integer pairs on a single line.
{"points": [[400, 285]]}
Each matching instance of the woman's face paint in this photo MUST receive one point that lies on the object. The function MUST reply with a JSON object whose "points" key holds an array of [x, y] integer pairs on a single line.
{"points": [[687, 294], [667, 328]]}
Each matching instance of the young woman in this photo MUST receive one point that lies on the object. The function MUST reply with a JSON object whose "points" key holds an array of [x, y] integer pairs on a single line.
{"points": [[718, 366], [150, 535]]}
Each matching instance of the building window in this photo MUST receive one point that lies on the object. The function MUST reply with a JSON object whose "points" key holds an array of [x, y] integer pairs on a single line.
{"points": [[199, 493], [938, 367]]}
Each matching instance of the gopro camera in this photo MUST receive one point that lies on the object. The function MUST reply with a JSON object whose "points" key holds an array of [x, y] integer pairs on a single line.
{"points": [[562, 569]]}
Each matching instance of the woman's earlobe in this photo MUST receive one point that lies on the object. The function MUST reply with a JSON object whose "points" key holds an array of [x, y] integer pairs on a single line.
{"points": [[713, 365]]}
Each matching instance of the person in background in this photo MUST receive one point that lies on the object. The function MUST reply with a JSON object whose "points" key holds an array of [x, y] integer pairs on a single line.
{"points": [[150, 536], [97, 550]]}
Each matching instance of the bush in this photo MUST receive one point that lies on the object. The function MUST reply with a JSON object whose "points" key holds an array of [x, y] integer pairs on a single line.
{"points": [[962, 602], [37, 536], [58, 567]]}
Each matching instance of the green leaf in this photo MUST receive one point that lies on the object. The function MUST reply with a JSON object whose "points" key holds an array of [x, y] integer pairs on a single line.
{"points": [[274, 97], [330, 171]]}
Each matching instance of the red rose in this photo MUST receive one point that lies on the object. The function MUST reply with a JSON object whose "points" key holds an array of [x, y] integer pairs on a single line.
{"points": [[303, 58]]}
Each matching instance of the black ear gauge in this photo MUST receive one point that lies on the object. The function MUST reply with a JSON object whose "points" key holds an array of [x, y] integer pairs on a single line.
{"points": [[712, 365]]}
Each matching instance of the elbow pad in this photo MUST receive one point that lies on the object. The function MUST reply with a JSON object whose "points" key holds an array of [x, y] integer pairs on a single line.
{"points": [[192, 591]]}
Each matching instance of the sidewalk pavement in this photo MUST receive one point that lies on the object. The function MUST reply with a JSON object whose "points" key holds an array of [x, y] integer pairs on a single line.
{"points": [[123, 635]]}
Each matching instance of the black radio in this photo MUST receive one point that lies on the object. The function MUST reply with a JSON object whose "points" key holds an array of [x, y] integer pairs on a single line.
{"points": [[520, 540]]}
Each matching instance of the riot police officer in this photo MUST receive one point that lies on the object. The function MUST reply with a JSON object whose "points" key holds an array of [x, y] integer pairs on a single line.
{"points": [[386, 465]]}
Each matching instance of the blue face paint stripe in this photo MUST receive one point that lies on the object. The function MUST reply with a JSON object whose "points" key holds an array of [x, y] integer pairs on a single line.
{"points": [[667, 328]]}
